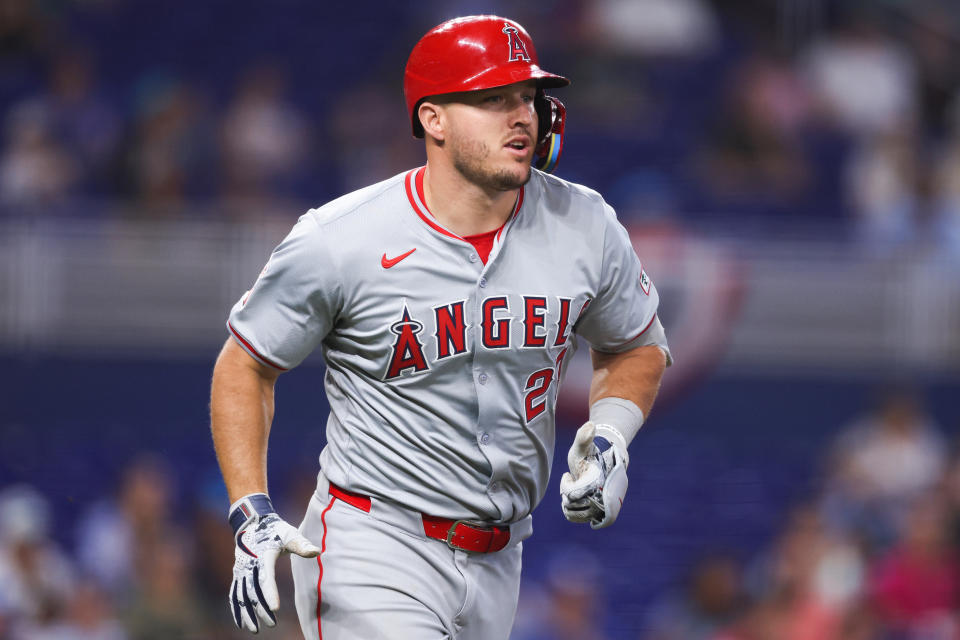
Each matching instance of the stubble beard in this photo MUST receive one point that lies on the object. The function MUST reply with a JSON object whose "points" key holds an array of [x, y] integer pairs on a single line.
{"points": [[468, 158]]}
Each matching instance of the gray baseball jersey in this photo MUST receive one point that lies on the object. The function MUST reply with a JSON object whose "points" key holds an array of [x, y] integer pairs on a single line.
{"points": [[442, 370]]}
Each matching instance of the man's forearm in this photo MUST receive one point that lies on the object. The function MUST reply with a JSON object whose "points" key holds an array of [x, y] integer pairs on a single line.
{"points": [[622, 392], [241, 411], [633, 375]]}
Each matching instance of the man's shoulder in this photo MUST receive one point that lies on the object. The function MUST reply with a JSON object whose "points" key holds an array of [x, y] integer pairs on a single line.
{"points": [[562, 197], [382, 197], [553, 187]]}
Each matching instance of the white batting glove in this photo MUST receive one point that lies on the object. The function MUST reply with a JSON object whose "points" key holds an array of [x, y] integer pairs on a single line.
{"points": [[594, 488], [260, 536]]}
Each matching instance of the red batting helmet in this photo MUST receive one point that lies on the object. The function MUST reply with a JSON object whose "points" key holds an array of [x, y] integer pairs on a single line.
{"points": [[482, 52]]}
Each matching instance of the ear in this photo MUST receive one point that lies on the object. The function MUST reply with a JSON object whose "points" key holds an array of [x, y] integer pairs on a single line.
{"points": [[432, 119]]}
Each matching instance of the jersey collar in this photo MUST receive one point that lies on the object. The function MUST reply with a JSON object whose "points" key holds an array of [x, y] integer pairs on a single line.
{"points": [[413, 182]]}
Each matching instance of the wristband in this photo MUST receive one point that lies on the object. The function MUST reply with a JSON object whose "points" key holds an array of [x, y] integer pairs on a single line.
{"points": [[248, 507], [618, 420]]}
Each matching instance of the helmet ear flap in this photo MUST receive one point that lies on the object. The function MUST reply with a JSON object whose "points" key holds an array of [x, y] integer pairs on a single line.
{"points": [[551, 117]]}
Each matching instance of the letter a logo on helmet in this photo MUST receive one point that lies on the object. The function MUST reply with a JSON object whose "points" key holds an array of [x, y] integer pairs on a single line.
{"points": [[518, 50]]}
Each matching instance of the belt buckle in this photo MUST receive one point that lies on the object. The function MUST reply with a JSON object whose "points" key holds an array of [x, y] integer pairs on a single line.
{"points": [[453, 530]]}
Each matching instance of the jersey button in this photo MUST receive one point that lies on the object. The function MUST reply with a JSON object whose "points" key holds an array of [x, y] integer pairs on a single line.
{"points": [[484, 438], [483, 282], [474, 257], [482, 378]]}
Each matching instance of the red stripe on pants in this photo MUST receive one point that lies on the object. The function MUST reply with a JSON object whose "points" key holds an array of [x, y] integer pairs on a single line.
{"points": [[323, 547]]}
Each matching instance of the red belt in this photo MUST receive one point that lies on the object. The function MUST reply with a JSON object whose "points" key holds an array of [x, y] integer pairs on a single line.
{"points": [[458, 534]]}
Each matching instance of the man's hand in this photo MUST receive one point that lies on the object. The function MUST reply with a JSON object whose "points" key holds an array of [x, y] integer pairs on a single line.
{"points": [[260, 536], [594, 488]]}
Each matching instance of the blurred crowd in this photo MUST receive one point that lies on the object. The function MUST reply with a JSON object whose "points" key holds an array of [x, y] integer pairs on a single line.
{"points": [[141, 565], [767, 111], [872, 554], [691, 111]]}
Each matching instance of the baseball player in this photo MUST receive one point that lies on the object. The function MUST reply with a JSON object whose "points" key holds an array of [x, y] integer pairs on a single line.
{"points": [[446, 302]]}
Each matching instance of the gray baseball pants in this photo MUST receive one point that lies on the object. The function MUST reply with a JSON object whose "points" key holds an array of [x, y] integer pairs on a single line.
{"points": [[380, 577]]}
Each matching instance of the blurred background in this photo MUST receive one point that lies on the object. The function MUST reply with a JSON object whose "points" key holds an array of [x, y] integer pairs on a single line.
{"points": [[789, 171]]}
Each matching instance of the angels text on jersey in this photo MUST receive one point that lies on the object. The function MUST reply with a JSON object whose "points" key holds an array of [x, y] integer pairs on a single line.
{"points": [[506, 321]]}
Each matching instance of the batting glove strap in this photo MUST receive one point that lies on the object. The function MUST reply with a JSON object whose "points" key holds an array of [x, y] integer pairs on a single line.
{"points": [[247, 508], [614, 438]]}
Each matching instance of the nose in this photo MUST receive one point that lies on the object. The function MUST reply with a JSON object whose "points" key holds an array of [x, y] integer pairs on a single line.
{"points": [[523, 114]]}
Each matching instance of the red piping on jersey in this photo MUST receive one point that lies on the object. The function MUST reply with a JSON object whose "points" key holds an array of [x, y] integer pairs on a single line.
{"points": [[254, 352], [323, 547], [639, 334], [416, 206], [414, 186]]}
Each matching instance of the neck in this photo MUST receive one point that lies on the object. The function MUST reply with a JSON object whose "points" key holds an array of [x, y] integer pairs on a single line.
{"points": [[462, 206]]}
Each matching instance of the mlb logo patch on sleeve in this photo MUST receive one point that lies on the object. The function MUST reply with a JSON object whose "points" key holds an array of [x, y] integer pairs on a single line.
{"points": [[644, 281]]}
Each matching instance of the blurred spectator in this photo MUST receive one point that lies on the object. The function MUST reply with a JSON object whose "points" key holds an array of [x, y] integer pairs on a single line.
{"points": [[570, 604], [771, 619], [882, 462], [945, 215], [114, 536], [168, 152], [652, 27], [916, 585], [264, 139], [35, 168], [89, 616], [755, 153], [864, 81], [63, 139], [213, 561], [35, 576], [931, 33], [710, 602], [23, 29], [164, 605], [614, 101], [805, 587], [81, 118], [882, 176]]}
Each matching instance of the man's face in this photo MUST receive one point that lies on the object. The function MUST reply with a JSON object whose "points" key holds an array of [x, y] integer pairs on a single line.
{"points": [[491, 135]]}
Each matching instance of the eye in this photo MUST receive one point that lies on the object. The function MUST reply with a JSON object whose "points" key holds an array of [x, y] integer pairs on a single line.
{"points": [[496, 98], [529, 98]]}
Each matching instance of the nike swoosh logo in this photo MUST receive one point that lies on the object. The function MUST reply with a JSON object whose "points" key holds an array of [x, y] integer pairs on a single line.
{"points": [[386, 262]]}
